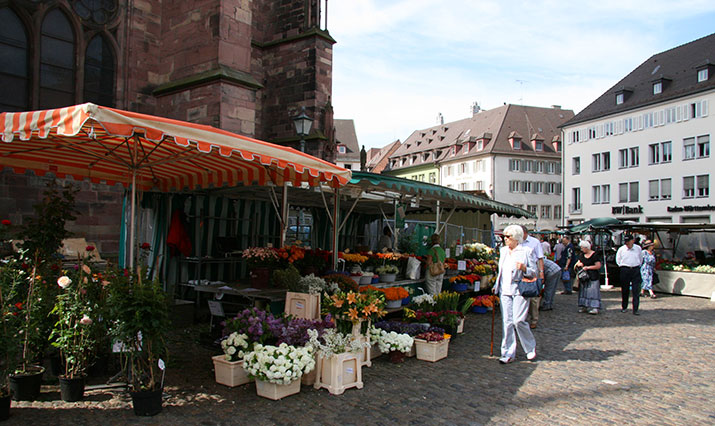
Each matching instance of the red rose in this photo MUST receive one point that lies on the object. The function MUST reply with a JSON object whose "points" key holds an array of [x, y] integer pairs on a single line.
{"points": [[18, 305], [6, 222], [89, 248], [145, 246]]}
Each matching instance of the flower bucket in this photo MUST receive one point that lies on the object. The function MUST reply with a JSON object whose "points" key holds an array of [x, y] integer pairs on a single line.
{"points": [[365, 280], [459, 287], [26, 387], [460, 326], [388, 278], [432, 351], [230, 373], [72, 390], [406, 300], [275, 391], [147, 403], [397, 357], [356, 278], [339, 372], [479, 309], [375, 280], [392, 304]]}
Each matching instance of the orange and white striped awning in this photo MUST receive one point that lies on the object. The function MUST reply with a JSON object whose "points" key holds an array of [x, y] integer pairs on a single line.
{"points": [[109, 145]]}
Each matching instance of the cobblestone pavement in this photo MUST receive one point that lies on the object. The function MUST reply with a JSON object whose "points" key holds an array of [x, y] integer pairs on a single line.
{"points": [[614, 368]]}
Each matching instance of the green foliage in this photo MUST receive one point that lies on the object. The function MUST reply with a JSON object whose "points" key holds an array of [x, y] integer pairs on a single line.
{"points": [[12, 278], [288, 278], [44, 232], [406, 244], [72, 333], [466, 305], [140, 320]]}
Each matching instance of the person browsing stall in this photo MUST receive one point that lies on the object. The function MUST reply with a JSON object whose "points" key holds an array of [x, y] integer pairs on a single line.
{"points": [[537, 248], [435, 254], [385, 242], [629, 258], [516, 261]]}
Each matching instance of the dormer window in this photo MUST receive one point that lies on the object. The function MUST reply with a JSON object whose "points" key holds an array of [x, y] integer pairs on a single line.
{"points": [[619, 98], [425, 156], [623, 94], [341, 149], [454, 150], [414, 159], [516, 144], [703, 75], [480, 145], [538, 145], [657, 87]]}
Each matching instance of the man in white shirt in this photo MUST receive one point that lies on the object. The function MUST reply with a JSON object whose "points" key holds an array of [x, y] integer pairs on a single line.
{"points": [[629, 258], [535, 246], [545, 245]]}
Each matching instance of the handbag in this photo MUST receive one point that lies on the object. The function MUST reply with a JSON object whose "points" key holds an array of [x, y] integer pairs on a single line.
{"points": [[583, 276], [528, 287], [565, 275], [436, 268]]}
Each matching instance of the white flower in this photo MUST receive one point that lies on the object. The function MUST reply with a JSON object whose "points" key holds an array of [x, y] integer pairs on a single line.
{"points": [[231, 350], [85, 320], [64, 281]]}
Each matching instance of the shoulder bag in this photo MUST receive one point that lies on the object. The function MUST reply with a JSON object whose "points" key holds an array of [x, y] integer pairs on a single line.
{"points": [[583, 276], [436, 268], [528, 287]]}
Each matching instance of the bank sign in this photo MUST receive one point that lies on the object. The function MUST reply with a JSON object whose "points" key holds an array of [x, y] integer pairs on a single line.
{"points": [[626, 210], [676, 209]]}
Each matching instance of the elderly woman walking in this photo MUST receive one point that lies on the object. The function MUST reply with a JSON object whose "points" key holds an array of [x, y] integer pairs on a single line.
{"points": [[589, 291], [515, 262], [648, 268]]}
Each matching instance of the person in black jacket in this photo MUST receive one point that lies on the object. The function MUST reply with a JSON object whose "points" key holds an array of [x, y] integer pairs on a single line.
{"points": [[566, 263]]}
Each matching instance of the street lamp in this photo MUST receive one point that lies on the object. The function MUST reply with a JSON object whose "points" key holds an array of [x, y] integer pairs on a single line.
{"points": [[302, 127]]}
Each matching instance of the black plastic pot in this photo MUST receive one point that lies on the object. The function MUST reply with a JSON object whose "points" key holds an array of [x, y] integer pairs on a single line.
{"points": [[147, 403], [72, 390], [4, 408], [26, 386]]}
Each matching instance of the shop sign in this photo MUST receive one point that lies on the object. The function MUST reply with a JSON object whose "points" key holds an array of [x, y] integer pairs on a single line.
{"points": [[626, 210], [676, 209]]}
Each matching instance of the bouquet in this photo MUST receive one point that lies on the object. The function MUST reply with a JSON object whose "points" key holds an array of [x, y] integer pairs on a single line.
{"points": [[235, 346], [367, 305], [465, 279], [478, 251], [260, 257], [394, 293], [387, 269], [332, 342], [393, 341], [290, 253], [280, 364]]}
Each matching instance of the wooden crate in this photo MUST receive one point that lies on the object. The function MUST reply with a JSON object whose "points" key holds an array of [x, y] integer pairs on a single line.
{"points": [[431, 351], [339, 372], [303, 305]]}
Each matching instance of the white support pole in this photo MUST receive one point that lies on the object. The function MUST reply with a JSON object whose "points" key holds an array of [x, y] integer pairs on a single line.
{"points": [[394, 228], [336, 208], [284, 215], [131, 220]]}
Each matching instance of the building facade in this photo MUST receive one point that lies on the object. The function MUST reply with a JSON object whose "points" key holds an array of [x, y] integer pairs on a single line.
{"points": [[248, 67], [510, 154], [347, 146], [641, 151]]}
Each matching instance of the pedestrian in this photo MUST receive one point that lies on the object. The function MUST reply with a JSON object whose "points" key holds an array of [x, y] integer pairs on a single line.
{"points": [[566, 262], [434, 255], [536, 247], [558, 249], [629, 259], [648, 268], [545, 245], [516, 261], [552, 276], [385, 242], [589, 290]]}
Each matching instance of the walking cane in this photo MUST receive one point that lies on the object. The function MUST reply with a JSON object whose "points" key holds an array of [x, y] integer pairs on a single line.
{"points": [[491, 349]]}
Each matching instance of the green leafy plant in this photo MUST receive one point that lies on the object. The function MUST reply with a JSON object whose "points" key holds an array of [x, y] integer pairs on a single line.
{"points": [[140, 320], [11, 315], [288, 278], [43, 233], [446, 301]]}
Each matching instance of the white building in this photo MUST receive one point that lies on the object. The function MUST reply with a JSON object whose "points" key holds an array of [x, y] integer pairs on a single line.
{"points": [[511, 154], [641, 151]]}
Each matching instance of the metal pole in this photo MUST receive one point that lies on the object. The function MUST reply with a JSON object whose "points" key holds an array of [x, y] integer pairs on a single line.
{"points": [[336, 207], [131, 220], [284, 215]]}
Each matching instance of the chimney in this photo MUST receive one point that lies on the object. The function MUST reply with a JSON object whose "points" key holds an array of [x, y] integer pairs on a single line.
{"points": [[475, 108], [556, 106], [440, 118]]}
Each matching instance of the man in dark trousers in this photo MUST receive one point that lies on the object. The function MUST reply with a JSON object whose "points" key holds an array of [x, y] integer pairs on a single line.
{"points": [[629, 258], [566, 262]]}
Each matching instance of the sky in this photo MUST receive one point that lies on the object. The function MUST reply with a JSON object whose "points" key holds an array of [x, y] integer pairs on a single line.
{"points": [[398, 64]]}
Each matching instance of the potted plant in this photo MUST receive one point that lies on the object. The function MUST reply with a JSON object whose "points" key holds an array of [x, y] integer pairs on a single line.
{"points": [[432, 346], [395, 344], [394, 296], [11, 314], [277, 369], [73, 334], [339, 365], [259, 261], [353, 311], [303, 300], [388, 273], [140, 319], [229, 366]]}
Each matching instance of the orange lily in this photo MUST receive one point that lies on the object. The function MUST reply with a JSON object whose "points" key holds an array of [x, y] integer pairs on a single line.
{"points": [[353, 313], [352, 298], [338, 302]]}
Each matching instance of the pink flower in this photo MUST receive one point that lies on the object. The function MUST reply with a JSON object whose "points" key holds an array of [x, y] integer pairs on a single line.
{"points": [[145, 246], [89, 248], [64, 281], [85, 320], [86, 269]]}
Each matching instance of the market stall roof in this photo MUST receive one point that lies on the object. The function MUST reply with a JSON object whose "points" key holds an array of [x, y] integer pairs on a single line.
{"points": [[428, 194], [596, 223], [681, 228], [107, 144]]}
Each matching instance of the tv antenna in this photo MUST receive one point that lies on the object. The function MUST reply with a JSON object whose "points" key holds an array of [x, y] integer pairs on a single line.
{"points": [[521, 86]]}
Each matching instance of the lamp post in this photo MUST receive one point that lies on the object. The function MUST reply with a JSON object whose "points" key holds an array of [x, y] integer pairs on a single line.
{"points": [[302, 127]]}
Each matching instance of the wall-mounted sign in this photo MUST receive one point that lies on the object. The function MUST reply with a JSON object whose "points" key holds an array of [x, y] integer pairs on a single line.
{"points": [[676, 209], [626, 210]]}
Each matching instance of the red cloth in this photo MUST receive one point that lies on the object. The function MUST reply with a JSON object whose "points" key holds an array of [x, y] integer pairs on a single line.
{"points": [[178, 239]]}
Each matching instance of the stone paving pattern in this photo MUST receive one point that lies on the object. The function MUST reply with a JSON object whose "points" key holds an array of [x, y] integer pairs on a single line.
{"points": [[614, 368]]}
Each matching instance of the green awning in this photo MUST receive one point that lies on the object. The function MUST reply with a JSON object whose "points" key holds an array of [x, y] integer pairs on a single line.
{"points": [[428, 193], [596, 223]]}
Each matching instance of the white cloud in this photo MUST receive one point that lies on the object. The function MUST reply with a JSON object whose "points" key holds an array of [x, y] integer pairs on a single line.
{"points": [[398, 63]]}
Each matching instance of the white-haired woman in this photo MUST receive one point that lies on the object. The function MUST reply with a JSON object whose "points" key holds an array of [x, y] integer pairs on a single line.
{"points": [[516, 261], [589, 292]]}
